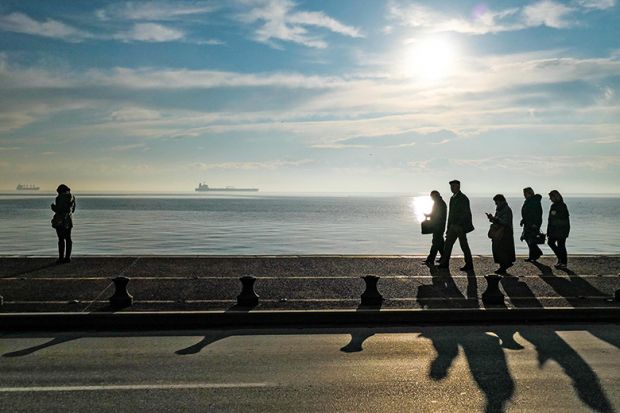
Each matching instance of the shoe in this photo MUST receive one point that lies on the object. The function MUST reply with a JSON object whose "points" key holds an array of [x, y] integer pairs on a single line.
{"points": [[560, 266], [467, 268], [427, 262], [60, 261], [67, 260]]}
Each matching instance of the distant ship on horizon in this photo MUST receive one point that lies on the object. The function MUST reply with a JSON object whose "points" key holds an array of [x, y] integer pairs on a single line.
{"points": [[202, 187], [27, 187]]}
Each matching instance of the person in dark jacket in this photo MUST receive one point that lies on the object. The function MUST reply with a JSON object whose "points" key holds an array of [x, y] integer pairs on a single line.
{"points": [[62, 221], [459, 225], [558, 228], [438, 221], [503, 243], [531, 221]]}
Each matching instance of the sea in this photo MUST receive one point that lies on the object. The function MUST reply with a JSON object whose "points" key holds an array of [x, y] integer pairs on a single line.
{"points": [[272, 224]]}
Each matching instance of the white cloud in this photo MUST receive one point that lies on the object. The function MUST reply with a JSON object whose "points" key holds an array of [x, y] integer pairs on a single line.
{"points": [[484, 20], [151, 32], [547, 13], [21, 23], [155, 10], [596, 4], [270, 165], [280, 21]]}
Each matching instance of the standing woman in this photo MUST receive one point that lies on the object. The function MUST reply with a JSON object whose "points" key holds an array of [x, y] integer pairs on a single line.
{"points": [[501, 234], [63, 222], [558, 228]]}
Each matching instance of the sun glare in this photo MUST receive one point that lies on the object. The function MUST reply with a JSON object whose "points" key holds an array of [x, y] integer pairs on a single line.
{"points": [[430, 59], [422, 205]]}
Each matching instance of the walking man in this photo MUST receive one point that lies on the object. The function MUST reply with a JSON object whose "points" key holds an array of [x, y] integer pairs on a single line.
{"points": [[459, 224], [531, 213], [438, 221]]}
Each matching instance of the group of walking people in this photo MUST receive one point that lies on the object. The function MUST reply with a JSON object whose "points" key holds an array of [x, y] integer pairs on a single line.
{"points": [[459, 224]]}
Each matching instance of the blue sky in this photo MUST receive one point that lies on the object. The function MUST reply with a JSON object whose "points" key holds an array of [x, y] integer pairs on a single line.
{"points": [[347, 96]]}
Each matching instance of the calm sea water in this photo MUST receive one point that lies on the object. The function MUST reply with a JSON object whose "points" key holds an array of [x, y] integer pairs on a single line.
{"points": [[259, 224]]}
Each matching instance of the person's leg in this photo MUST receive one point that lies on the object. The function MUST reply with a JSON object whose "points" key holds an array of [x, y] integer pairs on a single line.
{"points": [[61, 245], [552, 242], [69, 243], [436, 246], [562, 253], [447, 248], [469, 261]]}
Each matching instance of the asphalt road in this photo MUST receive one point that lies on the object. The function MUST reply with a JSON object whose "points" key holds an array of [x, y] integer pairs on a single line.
{"points": [[449, 368]]}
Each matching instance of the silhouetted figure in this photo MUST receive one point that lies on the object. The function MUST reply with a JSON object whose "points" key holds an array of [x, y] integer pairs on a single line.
{"points": [[503, 243], [459, 224], [531, 221], [437, 217], [558, 228], [63, 222]]}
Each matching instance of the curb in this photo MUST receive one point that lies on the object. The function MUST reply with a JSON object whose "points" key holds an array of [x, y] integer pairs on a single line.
{"points": [[209, 319]]}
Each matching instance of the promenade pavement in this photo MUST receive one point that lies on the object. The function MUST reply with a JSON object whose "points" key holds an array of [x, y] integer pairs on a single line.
{"points": [[200, 283]]}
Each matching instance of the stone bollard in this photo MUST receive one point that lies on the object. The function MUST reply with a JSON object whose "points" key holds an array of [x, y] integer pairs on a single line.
{"points": [[121, 297], [371, 295], [492, 295], [248, 297], [617, 296]]}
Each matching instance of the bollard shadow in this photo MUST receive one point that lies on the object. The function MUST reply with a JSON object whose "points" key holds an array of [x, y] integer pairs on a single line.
{"points": [[358, 336], [34, 349], [208, 339]]}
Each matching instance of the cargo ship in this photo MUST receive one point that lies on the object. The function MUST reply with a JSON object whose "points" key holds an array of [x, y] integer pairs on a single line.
{"points": [[202, 187], [27, 187]]}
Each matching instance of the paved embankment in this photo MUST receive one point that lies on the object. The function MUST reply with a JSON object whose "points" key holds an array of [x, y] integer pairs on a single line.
{"points": [[30, 284]]}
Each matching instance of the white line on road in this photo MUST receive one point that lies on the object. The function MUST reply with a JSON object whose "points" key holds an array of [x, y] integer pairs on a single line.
{"points": [[133, 387]]}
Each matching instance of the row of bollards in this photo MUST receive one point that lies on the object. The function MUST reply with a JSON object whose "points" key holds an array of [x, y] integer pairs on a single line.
{"points": [[248, 297]]}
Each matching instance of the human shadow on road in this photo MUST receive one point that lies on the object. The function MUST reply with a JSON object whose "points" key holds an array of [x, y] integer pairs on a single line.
{"points": [[444, 293], [33, 349]]}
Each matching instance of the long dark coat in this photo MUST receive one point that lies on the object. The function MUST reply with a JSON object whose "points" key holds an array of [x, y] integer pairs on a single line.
{"points": [[504, 248], [531, 217], [558, 225], [438, 216]]}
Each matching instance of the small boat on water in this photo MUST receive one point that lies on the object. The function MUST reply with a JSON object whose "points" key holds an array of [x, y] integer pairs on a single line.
{"points": [[27, 187], [202, 187]]}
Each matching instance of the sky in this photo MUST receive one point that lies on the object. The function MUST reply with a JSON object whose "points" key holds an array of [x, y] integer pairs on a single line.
{"points": [[311, 96]]}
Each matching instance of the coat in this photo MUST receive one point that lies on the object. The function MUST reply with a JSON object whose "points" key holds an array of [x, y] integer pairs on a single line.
{"points": [[63, 207], [531, 216], [438, 216], [504, 248], [558, 224], [460, 213]]}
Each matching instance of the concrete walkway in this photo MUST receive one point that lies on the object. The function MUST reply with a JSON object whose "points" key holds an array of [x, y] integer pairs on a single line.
{"points": [[31, 284]]}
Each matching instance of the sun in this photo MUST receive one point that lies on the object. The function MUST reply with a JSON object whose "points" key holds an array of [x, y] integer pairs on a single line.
{"points": [[422, 205], [430, 59]]}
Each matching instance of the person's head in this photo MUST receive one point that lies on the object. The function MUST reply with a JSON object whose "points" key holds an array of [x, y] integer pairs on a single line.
{"points": [[555, 196], [455, 186], [63, 189], [499, 199], [435, 195], [528, 192]]}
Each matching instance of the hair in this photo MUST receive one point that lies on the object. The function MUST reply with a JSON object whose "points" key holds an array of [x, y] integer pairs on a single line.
{"points": [[62, 188], [528, 190], [556, 194], [499, 198], [434, 192]]}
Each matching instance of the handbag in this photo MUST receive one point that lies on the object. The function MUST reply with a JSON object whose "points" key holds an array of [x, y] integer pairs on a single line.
{"points": [[427, 226], [58, 221], [496, 232], [541, 238]]}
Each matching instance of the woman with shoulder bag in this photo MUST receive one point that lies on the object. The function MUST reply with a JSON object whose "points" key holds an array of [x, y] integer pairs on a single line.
{"points": [[501, 234], [62, 222], [558, 228]]}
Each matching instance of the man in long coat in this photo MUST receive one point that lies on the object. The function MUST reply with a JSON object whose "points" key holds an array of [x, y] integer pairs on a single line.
{"points": [[438, 221], [459, 225]]}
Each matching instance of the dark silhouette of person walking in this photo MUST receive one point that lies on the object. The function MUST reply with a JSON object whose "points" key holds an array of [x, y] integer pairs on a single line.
{"points": [[62, 221], [531, 221], [558, 228], [501, 234], [459, 225], [437, 217]]}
